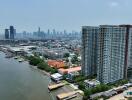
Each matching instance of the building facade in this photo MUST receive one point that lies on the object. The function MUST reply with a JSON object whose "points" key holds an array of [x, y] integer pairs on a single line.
{"points": [[89, 50], [130, 51], [12, 32], [112, 53], [7, 34]]}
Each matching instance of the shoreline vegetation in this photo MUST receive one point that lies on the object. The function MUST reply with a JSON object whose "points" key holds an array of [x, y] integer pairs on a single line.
{"points": [[41, 64], [39, 70]]}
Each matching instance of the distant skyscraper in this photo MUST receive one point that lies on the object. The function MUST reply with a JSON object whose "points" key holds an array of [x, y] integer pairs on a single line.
{"points": [[48, 32], [12, 32], [39, 30], [65, 32], [54, 32], [112, 51], [7, 34]]}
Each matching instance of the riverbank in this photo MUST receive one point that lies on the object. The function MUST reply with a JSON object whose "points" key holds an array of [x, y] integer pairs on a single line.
{"points": [[41, 71], [34, 67]]}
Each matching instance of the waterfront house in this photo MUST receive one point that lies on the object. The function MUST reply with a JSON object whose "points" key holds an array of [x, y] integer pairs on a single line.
{"points": [[56, 77]]}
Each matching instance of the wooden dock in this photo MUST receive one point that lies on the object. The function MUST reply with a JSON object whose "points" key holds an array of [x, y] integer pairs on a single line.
{"points": [[66, 95], [55, 86], [69, 95]]}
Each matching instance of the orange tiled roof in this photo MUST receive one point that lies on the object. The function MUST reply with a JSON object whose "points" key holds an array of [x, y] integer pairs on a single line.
{"points": [[56, 64], [73, 69]]}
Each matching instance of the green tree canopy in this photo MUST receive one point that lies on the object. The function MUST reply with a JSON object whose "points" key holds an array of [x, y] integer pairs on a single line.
{"points": [[66, 55], [34, 60], [74, 59]]}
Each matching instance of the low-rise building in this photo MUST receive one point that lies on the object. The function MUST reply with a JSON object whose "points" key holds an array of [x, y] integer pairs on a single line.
{"points": [[56, 63], [52, 53], [93, 96], [56, 77], [120, 89], [128, 94], [106, 94], [91, 83], [128, 85], [69, 70], [109, 93], [21, 50], [71, 75]]}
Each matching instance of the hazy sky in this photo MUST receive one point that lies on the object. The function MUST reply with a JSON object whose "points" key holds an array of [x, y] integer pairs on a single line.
{"points": [[63, 14]]}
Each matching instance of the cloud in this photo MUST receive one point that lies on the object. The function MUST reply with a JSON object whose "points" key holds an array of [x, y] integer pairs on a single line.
{"points": [[114, 4]]}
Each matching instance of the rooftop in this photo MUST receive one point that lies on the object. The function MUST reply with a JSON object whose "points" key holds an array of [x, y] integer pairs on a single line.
{"points": [[56, 75], [69, 70], [56, 63], [92, 82]]}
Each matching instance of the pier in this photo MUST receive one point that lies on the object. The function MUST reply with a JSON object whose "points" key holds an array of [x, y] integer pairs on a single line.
{"points": [[67, 96], [55, 86]]}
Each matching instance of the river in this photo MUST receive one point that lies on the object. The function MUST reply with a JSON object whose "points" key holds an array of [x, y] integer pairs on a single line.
{"points": [[18, 81]]}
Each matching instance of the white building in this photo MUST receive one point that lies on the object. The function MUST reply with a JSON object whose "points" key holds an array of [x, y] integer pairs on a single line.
{"points": [[91, 83], [56, 77]]}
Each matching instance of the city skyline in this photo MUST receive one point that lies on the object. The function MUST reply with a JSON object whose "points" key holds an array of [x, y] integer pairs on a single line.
{"points": [[65, 49], [62, 14], [2, 31]]}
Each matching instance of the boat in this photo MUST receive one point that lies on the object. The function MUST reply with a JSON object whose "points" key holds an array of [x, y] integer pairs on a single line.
{"points": [[15, 57], [55, 86], [20, 60]]}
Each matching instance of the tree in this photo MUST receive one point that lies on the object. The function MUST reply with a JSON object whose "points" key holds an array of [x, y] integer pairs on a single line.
{"points": [[64, 77], [65, 67], [46, 67], [34, 60], [118, 83], [42, 66], [79, 78], [52, 70], [67, 60], [46, 56], [74, 59], [100, 88], [90, 91], [81, 86], [66, 55], [87, 92]]}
